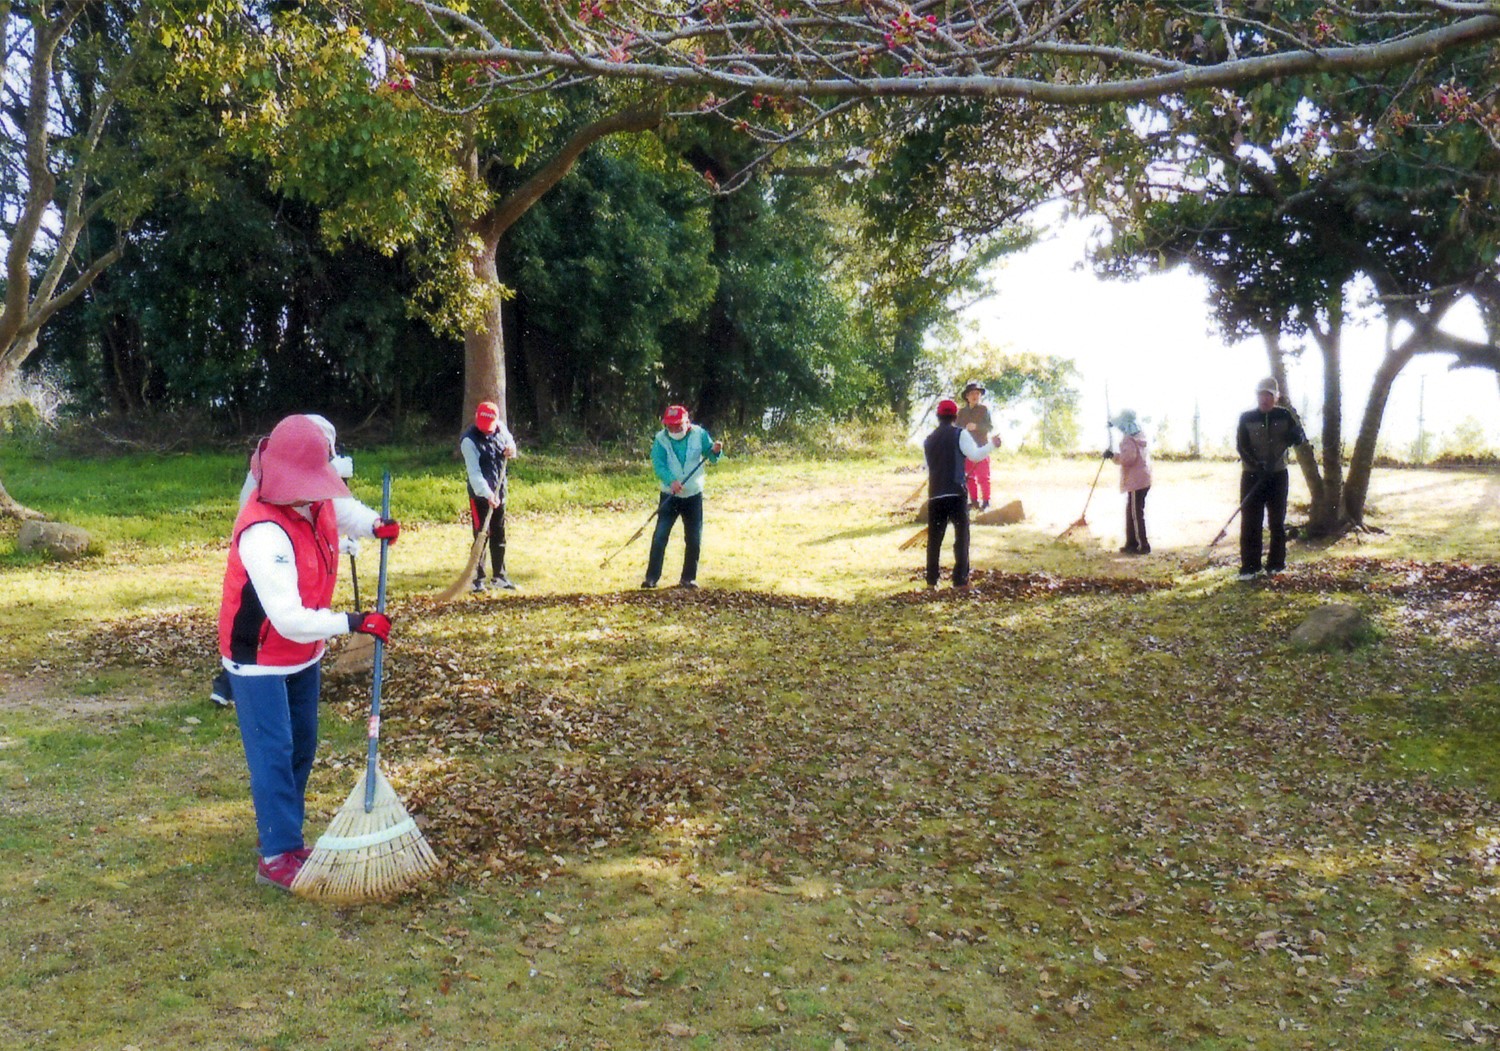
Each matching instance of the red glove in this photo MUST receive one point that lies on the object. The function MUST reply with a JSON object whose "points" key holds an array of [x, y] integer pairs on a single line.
{"points": [[377, 624], [388, 531]]}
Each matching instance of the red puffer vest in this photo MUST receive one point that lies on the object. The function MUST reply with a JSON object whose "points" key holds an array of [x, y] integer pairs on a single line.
{"points": [[245, 633]]}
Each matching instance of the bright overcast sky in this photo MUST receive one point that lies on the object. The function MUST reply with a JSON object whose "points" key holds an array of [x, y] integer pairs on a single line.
{"points": [[1152, 343]]}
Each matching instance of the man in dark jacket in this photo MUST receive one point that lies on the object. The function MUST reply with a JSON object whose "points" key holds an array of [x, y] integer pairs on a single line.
{"points": [[947, 449], [1264, 436]]}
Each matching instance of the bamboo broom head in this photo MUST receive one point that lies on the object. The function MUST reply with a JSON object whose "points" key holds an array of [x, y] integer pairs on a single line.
{"points": [[367, 856]]}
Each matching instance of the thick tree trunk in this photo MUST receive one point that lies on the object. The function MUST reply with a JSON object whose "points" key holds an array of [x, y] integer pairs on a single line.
{"points": [[1363, 460], [484, 343]]}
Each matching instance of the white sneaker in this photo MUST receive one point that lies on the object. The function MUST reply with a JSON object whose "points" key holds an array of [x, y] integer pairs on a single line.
{"points": [[1248, 576]]}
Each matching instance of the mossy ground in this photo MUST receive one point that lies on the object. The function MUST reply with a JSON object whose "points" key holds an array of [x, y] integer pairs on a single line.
{"points": [[795, 809]]}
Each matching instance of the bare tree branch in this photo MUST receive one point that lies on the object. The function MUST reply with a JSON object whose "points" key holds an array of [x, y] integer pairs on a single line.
{"points": [[812, 49]]}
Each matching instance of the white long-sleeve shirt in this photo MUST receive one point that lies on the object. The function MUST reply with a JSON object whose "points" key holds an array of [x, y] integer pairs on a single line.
{"points": [[477, 482], [271, 564], [973, 450]]}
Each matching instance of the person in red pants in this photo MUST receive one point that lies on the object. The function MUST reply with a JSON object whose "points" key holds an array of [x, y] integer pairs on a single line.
{"points": [[974, 417]]}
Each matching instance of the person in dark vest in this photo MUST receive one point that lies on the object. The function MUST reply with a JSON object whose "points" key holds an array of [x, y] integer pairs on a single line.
{"points": [[487, 447], [274, 618], [1263, 438], [679, 452], [947, 449], [974, 417]]}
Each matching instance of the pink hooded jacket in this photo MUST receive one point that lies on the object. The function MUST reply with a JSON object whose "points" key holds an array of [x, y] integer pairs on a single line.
{"points": [[1135, 463]]}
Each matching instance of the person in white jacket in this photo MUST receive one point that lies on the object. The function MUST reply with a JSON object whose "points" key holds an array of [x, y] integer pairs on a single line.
{"points": [[361, 521], [274, 619]]}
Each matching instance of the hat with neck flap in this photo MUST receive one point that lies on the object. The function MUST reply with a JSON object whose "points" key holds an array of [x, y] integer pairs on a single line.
{"points": [[292, 465]]}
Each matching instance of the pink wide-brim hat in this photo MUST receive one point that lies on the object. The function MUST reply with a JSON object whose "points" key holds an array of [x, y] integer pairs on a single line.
{"points": [[293, 465]]}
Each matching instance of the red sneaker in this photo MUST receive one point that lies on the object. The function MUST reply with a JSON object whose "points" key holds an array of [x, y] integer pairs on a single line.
{"points": [[302, 854], [279, 870]]}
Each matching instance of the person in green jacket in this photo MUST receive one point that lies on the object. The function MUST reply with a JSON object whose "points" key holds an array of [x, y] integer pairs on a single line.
{"points": [[678, 454]]}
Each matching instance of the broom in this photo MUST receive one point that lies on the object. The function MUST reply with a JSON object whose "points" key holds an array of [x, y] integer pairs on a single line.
{"points": [[372, 849], [651, 517], [356, 651], [476, 552]]}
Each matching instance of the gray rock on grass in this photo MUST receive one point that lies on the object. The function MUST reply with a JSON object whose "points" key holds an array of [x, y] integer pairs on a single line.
{"points": [[54, 539], [1337, 626]]}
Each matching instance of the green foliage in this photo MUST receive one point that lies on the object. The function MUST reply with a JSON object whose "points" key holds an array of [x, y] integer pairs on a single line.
{"points": [[1469, 438], [237, 304], [606, 269]]}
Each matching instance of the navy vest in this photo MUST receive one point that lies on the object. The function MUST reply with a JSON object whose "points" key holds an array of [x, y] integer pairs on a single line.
{"points": [[491, 454], [945, 462]]}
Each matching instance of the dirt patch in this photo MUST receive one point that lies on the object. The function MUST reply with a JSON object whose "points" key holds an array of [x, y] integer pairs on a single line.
{"points": [[58, 695]]}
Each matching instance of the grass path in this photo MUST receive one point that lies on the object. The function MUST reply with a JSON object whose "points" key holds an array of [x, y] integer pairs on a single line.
{"points": [[798, 809]]}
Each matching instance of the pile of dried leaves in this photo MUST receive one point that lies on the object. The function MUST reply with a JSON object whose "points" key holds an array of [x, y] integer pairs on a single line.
{"points": [[1405, 578], [578, 775], [165, 640], [712, 599], [987, 585]]}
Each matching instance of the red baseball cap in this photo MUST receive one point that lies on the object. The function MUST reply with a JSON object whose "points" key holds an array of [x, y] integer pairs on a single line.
{"points": [[674, 417], [487, 417], [947, 407], [292, 466]]}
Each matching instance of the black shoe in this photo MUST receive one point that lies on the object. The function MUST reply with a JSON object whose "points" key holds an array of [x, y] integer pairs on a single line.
{"points": [[220, 693], [648, 585], [1145, 549], [1129, 550], [984, 505], [691, 585]]}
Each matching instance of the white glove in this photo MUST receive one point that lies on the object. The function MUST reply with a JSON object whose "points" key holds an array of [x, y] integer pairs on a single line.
{"points": [[349, 546]]}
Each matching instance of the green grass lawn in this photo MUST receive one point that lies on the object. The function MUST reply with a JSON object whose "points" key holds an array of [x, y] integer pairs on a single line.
{"points": [[806, 807]]}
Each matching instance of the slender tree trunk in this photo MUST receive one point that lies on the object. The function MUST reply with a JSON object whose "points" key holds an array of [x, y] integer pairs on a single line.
{"points": [[1363, 460], [1329, 515], [1271, 334]]}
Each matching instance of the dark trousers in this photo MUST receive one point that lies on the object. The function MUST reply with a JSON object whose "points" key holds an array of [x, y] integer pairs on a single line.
{"points": [[1135, 520], [940, 512], [690, 510], [478, 506], [1265, 498]]}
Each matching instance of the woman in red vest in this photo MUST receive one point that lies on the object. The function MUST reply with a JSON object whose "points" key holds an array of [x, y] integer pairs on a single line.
{"points": [[273, 621]]}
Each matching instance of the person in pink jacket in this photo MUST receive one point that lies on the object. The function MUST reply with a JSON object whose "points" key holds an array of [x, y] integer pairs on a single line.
{"points": [[1135, 480]]}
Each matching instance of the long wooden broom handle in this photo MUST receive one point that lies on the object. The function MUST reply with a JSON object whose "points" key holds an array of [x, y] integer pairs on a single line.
{"points": [[659, 504], [1225, 531], [1090, 497], [374, 733]]}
